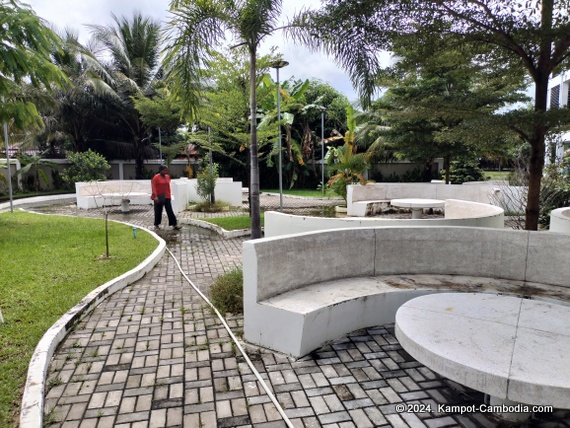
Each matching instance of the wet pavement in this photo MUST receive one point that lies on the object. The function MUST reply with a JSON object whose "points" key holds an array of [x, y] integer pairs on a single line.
{"points": [[155, 355]]}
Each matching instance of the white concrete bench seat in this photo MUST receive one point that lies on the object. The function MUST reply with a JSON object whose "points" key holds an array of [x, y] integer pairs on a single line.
{"points": [[331, 309], [301, 291]]}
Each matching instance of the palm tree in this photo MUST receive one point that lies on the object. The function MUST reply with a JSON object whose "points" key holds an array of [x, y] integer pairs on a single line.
{"points": [[25, 48], [199, 26], [134, 65], [75, 115]]}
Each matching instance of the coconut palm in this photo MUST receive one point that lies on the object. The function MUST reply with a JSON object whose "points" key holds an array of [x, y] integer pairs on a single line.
{"points": [[197, 27], [75, 116], [134, 66], [25, 48]]}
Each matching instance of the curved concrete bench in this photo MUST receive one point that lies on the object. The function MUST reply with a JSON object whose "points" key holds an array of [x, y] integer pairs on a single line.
{"points": [[457, 213], [560, 220], [301, 291], [95, 194], [360, 199]]}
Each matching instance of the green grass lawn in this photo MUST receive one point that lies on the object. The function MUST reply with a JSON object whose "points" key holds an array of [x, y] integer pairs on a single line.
{"points": [[47, 265], [496, 175], [232, 223], [298, 192]]}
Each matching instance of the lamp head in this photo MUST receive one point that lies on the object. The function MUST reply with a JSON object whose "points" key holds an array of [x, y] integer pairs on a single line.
{"points": [[279, 64]]}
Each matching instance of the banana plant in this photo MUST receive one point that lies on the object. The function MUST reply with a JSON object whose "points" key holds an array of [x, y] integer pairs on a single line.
{"points": [[344, 165], [293, 108], [35, 163]]}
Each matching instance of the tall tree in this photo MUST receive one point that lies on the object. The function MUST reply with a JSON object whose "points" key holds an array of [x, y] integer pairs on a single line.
{"points": [[437, 96], [533, 34], [200, 25], [76, 115], [25, 47], [133, 47]]}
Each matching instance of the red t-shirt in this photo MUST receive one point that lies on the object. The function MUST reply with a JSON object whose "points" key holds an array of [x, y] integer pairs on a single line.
{"points": [[160, 185]]}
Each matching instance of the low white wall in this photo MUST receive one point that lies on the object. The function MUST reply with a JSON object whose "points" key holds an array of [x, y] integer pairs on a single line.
{"points": [[89, 194], [474, 192], [273, 266], [226, 190], [560, 220], [457, 213]]}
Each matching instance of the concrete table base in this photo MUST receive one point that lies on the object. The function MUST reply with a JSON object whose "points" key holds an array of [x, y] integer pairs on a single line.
{"points": [[124, 198], [507, 347], [417, 205]]}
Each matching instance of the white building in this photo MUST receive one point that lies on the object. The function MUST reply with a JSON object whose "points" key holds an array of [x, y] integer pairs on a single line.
{"points": [[558, 96]]}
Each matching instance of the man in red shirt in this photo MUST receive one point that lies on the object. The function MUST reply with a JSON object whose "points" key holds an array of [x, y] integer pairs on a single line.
{"points": [[162, 197]]}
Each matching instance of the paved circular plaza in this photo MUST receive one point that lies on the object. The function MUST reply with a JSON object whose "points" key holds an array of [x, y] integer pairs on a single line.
{"points": [[154, 355]]}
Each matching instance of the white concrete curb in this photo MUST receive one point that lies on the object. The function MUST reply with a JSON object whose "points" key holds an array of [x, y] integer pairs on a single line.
{"points": [[39, 201], [214, 227], [31, 415]]}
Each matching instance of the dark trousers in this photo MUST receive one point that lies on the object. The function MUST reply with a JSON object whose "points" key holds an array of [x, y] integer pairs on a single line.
{"points": [[158, 212]]}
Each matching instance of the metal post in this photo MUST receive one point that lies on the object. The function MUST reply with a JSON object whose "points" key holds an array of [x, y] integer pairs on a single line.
{"points": [[9, 166], [160, 144], [323, 149], [277, 66], [212, 196], [210, 152], [279, 136]]}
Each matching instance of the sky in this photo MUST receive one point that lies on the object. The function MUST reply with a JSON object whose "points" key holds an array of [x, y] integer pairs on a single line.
{"points": [[303, 64]]}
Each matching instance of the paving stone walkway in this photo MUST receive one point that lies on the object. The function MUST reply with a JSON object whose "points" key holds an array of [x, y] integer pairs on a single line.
{"points": [[154, 355]]}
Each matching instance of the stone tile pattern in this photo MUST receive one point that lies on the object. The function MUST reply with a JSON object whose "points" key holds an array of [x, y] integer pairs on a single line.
{"points": [[154, 355]]}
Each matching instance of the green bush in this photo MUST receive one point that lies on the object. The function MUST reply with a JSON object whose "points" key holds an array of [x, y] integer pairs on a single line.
{"points": [[554, 191], [85, 166], [208, 207], [206, 182], [464, 170], [226, 293]]}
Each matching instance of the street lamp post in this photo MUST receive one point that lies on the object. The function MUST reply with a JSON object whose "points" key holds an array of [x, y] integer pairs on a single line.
{"points": [[277, 65], [160, 144], [323, 149], [8, 164]]}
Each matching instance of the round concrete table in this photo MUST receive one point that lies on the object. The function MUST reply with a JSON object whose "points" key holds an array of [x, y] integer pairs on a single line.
{"points": [[417, 204], [511, 348]]}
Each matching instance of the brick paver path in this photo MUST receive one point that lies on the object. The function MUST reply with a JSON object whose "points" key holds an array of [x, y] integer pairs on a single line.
{"points": [[154, 355]]}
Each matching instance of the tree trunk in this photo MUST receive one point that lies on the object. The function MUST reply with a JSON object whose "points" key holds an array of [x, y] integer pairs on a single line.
{"points": [[536, 161], [139, 160], [446, 166], [254, 159]]}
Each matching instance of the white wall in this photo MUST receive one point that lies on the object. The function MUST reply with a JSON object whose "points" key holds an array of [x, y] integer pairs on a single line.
{"points": [[226, 190], [457, 213], [560, 220], [89, 195], [486, 193]]}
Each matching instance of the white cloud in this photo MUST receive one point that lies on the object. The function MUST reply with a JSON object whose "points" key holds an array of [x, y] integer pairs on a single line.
{"points": [[303, 64]]}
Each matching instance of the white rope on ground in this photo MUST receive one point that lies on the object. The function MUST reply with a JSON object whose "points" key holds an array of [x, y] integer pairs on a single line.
{"points": [[234, 338]]}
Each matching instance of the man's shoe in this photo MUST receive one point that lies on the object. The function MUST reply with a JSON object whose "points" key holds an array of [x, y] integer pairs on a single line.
{"points": [[177, 227], [156, 227]]}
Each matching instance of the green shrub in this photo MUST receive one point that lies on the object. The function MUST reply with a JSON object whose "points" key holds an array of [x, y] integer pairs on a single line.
{"points": [[206, 182], [226, 293], [85, 166], [208, 207], [464, 170], [554, 191]]}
